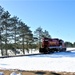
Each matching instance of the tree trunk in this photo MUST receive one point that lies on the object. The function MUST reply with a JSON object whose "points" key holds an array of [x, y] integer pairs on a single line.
{"points": [[6, 41], [23, 45], [1, 44]]}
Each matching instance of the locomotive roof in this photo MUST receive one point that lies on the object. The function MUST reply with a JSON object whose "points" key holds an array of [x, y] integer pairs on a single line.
{"points": [[53, 38]]}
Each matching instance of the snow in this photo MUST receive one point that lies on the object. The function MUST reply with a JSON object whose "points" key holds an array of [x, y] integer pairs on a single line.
{"points": [[13, 73], [59, 62], [1, 73]]}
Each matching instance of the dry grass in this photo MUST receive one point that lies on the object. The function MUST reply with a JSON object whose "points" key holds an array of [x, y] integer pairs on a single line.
{"points": [[8, 72]]}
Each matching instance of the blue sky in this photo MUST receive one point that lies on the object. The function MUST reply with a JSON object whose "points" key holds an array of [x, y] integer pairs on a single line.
{"points": [[55, 16]]}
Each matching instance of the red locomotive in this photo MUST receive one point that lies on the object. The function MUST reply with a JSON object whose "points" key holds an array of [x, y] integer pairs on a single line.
{"points": [[50, 45]]}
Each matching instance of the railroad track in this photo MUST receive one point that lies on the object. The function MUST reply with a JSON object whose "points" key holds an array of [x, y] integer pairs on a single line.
{"points": [[28, 54], [19, 55]]}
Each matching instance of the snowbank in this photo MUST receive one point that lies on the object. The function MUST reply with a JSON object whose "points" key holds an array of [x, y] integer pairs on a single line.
{"points": [[70, 48]]}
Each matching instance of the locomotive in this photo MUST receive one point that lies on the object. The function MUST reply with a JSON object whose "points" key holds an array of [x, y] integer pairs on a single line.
{"points": [[51, 45]]}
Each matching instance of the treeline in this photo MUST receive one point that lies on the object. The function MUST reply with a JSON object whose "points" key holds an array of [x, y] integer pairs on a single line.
{"points": [[14, 33], [69, 44]]}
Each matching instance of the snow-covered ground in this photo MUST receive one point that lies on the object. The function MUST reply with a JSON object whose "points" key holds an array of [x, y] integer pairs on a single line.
{"points": [[63, 61]]}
